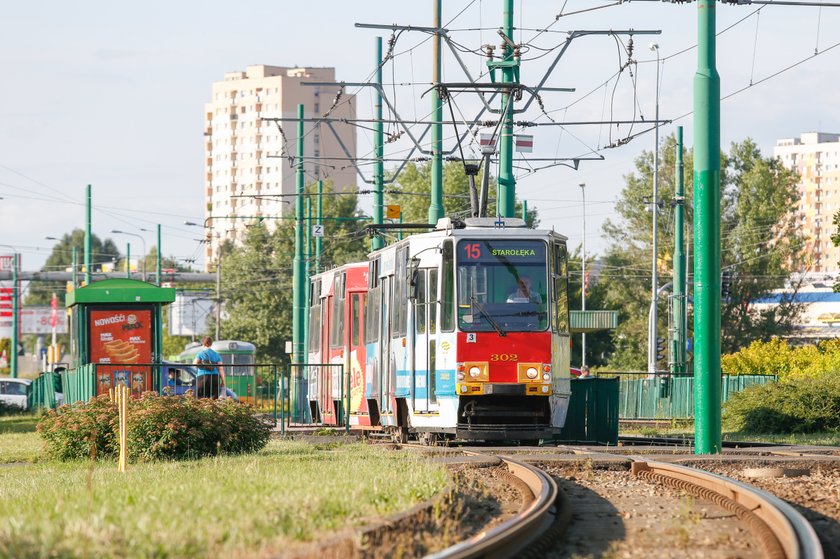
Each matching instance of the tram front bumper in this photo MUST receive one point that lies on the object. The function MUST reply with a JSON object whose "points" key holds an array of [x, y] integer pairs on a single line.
{"points": [[499, 389]]}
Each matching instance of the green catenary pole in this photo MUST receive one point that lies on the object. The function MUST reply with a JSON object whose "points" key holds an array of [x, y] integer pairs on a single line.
{"points": [[75, 265], [707, 375], [678, 339], [436, 202], [507, 182], [378, 148], [319, 241], [525, 211], [88, 242], [128, 260], [299, 286], [159, 250], [307, 273]]}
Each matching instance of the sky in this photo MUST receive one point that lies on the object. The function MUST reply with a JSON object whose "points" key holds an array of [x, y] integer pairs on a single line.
{"points": [[112, 94]]}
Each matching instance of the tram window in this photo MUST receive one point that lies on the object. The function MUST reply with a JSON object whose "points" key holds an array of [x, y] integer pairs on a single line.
{"points": [[337, 326], [355, 310], [372, 309], [447, 288], [400, 300], [373, 273], [432, 286], [420, 306], [561, 290], [315, 327], [314, 293]]}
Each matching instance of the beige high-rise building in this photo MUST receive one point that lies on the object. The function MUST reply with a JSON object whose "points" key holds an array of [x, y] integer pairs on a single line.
{"points": [[816, 157], [249, 163]]}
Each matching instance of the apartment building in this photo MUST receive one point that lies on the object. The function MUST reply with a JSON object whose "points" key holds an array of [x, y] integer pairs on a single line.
{"points": [[249, 163], [816, 157]]}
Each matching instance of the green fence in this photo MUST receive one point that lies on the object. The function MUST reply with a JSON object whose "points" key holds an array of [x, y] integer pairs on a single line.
{"points": [[42, 392], [672, 397], [79, 384], [593, 412]]}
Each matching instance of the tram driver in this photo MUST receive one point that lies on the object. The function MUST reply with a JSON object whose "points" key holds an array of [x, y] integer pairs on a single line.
{"points": [[524, 292]]}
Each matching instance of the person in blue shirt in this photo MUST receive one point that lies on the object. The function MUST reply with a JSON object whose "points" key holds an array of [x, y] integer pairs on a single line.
{"points": [[210, 375]]}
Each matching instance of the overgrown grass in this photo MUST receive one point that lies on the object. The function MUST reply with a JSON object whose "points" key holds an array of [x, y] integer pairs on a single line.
{"points": [[241, 506], [18, 440]]}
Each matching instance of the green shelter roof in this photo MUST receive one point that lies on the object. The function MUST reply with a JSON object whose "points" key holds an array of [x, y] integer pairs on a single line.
{"points": [[592, 321], [120, 291]]}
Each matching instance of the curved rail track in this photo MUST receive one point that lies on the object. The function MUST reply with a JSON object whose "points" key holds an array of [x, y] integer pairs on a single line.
{"points": [[782, 530]]}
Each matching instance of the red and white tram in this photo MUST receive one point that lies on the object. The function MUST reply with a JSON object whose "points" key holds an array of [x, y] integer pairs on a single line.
{"points": [[460, 332]]}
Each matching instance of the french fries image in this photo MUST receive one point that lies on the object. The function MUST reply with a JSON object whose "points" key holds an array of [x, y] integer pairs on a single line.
{"points": [[121, 351]]}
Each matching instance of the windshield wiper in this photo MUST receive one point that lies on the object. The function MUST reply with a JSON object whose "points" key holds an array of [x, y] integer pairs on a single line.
{"points": [[489, 318]]}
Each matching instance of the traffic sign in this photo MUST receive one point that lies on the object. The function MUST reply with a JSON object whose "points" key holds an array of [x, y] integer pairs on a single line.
{"points": [[318, 230], [392, 211]]}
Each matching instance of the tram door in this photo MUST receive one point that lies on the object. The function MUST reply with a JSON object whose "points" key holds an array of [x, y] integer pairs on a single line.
{"points": [[385, 360], [425, 341]]}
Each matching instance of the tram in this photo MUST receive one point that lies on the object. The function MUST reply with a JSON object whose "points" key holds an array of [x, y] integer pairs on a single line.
{"points": [[461, 332]]}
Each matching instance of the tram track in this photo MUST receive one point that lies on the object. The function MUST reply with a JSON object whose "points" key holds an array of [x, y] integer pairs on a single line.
{"points": [[537, 531]]}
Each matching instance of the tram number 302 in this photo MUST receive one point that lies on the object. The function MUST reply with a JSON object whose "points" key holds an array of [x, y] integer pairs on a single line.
{"points": [[504, 357]]}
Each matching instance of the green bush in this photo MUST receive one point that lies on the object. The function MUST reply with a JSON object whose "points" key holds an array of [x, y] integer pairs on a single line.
{"points": [[157, 428], [797, 405], [778, 357]]}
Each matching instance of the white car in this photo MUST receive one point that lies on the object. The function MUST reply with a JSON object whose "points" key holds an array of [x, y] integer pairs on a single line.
{"points": [[13, 391]]}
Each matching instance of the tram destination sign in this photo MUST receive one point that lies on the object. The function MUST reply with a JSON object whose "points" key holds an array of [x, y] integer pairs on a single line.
{"points": [[521, 251]]}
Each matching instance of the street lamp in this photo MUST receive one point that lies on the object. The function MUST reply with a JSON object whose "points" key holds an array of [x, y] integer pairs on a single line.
{"points": [[583, 278], [655, 215], [118, 232]]}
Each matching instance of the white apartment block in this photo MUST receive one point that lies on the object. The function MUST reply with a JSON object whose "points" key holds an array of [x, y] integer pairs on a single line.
{"points": [[248, 162], [816, 157]]}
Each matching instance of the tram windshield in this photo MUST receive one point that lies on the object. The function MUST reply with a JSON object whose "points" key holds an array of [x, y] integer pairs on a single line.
{"points": [[502, 286]]}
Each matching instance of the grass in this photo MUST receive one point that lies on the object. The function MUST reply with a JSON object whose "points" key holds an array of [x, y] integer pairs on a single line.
{"points": [[18, 440], [245, 506], [681, 427]]}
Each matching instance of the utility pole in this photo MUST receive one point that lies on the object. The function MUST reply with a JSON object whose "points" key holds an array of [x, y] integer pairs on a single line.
{"points": [[510, 72], [13, 357], [88, 243], [159, 250], [707, 376], [379, 149], [654, 287], [128, 260], [319, 240], [307, 270], [298, 278], [436, 203], [678, 290], [583, 278], [219, 294]]}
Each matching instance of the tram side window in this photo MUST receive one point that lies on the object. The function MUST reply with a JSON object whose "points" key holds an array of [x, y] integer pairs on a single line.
{"points": [[315, 327], [400, 302], [447, 288], [420, 307], [372, 310], [433, 283], [355, 311], [561, 289], [337, 327]]}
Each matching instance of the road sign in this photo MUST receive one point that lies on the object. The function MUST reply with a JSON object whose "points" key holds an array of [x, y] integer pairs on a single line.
{"points": [[318, 230], [524, 143], [392, 211], [7, 262]]}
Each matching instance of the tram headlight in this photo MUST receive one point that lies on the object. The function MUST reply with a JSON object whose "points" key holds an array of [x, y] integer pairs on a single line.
{"points": [[531, 373], [546, 377], [460, 375], [475, 372]]}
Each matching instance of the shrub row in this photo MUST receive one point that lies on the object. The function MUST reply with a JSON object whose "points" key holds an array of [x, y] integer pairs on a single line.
{"points": [[157, 428], [778, 357], [796, 405]]}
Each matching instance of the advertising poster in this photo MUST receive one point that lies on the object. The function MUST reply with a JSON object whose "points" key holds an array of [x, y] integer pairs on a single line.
{"points": [[120, 338]]}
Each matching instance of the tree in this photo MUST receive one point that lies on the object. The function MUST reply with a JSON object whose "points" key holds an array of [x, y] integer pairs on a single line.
{"points": [[257, 276], [760, 247], [61, 259], [414, 193]]}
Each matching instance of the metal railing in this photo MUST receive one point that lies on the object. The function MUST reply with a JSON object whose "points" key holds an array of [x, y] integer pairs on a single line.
{"points": [[322, 389]]}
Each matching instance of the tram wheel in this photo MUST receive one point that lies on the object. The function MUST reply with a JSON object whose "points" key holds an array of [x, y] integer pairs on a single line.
{"points": [[400, 435]]}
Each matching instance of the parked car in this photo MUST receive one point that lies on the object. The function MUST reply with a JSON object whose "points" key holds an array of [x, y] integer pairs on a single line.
{"points": [[178, 378], [13, 391]]}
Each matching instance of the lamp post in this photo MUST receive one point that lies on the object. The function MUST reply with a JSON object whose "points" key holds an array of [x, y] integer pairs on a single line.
{"points": [[655, 215], [583, 278], [118, 232], [13, 350]]}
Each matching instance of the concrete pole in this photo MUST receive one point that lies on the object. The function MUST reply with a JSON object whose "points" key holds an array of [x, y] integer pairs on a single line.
{"points": [[707, 376], [678, 305], [654, 288], [319, 241], [128, 260], [436, 203], [583, 277], [159, 252]]}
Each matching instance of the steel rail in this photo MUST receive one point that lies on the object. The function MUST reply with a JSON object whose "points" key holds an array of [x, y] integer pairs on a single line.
{"points": [[785, 532], [515, 534]]}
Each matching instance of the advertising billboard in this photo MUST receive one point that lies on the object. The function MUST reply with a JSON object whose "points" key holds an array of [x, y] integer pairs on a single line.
{"points": [[118, 339], [38, 320]]}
